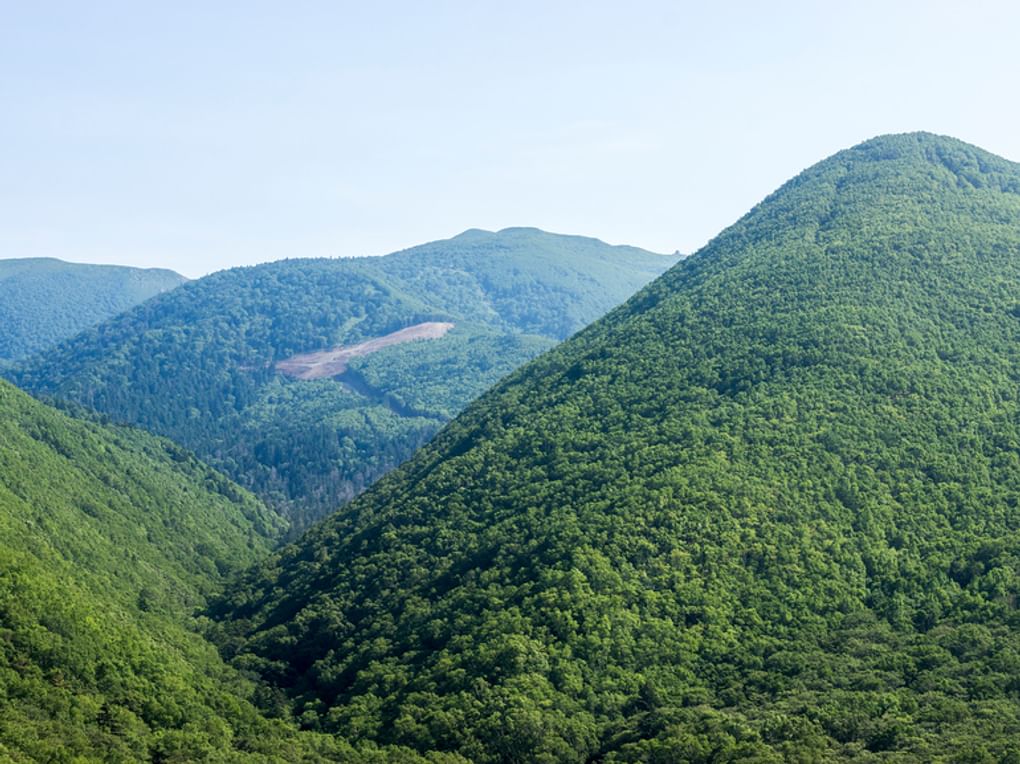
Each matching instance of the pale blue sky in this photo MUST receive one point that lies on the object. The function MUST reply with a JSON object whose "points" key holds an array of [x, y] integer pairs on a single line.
{"points": [[201, 135]]}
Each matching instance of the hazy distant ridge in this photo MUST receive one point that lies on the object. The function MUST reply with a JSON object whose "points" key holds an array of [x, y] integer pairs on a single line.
{"points": [[44, 301]]}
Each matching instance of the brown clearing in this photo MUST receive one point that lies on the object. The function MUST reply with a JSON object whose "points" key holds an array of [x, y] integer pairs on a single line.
{"points": [[331, 363]]}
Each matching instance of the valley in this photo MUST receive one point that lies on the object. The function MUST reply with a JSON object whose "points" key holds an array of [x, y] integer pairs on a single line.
{"points": [[490, 383], [236, 366], [516, 497]]}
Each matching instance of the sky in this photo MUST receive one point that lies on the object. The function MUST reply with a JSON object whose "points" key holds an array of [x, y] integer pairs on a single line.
{"points": [[205, 135]]}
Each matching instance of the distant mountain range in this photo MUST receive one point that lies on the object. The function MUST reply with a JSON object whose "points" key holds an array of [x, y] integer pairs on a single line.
{"points": [[767, 510], [217, 364], [44, 301]]}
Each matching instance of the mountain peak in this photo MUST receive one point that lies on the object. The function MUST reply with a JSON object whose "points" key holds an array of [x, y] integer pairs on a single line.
{"points": [[968, 163]]}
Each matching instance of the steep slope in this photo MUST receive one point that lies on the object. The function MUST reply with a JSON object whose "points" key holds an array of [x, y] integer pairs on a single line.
{"points": [[44, 301], [207, 364], [766, 510], [110, 539]]}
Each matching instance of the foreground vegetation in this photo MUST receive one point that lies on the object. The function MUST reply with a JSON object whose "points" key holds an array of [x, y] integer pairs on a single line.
{"points": [[765, 511], [197, 365], [112, 540]]}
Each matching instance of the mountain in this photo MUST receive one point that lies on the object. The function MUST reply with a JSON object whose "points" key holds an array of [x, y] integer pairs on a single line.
{"points": [[766, 510], [305, 380], [44, 301]]}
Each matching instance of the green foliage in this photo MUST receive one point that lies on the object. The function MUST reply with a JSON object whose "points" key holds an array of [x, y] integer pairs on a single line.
{"points": [[44, 301], [446, 375], [112, 539], [765, 511], [196, 365]]}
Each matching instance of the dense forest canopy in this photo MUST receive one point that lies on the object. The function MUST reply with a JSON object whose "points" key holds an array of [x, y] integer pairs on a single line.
{"points": [[767, 510], [113, 539], [198, 364], [44, 301]]}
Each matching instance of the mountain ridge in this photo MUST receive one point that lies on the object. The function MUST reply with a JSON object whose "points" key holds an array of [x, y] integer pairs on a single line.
{"points": [[197, 365], [45, 300], [112, 539]]}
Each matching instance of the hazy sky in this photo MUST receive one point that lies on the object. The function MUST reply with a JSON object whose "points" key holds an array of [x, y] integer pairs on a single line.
{"points": [[201, 135]]}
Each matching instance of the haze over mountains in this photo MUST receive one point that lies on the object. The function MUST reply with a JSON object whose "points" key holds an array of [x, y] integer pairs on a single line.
{"points": [[44, 301], [764, 510], [207, 364]]}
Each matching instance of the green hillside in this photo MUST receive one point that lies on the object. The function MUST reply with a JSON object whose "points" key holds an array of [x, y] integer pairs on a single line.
{"points": [[767, 510], [199, 364], [112, 540], [44, 301]]}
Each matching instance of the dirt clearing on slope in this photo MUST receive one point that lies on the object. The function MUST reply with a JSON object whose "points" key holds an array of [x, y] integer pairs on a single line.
{"points": [[331, 363]]}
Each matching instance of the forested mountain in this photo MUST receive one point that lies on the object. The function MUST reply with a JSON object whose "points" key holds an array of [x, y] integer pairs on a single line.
{"points": [[212, 364], [767, 510], [44, 301]]}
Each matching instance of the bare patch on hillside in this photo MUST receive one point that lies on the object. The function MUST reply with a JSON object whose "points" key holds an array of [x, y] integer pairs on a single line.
{"points": [[332, 363]]}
